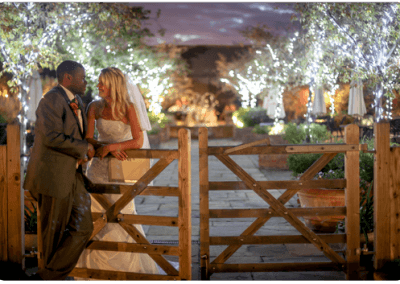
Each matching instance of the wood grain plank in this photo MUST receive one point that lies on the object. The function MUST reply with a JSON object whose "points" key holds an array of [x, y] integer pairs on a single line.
{"points": [[204, 205], [153, 153], [281, 239], [117, 275], [395, 203], [352, 197], [271, 267], [381, 195], [185, 201], [134, 248], [148, 220], [15, 214], [280, 184], [3, 204], [247, 145], [256, 213]]}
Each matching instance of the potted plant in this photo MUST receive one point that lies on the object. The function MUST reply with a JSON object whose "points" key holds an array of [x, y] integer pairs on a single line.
{"points": [[160, 131], [30, 213], [299, 163]]}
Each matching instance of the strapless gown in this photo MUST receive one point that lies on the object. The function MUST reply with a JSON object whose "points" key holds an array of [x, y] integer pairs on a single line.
{"points": [[97, 171]]}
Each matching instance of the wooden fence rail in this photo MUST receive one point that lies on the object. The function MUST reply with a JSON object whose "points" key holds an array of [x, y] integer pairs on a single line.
{"points": [[350, 264]]}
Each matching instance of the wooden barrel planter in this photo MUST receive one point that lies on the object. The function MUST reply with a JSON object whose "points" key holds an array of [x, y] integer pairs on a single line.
{"points": [[322, 198]]}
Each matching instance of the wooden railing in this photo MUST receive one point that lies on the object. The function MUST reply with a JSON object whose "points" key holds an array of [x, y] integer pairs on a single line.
{"points": [[350, 264], [126, 221]]}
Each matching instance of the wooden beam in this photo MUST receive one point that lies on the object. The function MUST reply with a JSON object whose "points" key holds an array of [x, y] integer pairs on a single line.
{"points": [[381, 195], [3, 204], [270, 267], [118, 275], [204, 205], [153, 153], [148, 220], [256, 213], [247, 145], [185, 201], [280, 184], [394, 203], [267, 240], [134, 248], [15, 214]]}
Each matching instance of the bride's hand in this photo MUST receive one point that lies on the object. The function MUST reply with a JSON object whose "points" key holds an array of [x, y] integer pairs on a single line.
{"points": [[102, 151], [120, 155]]}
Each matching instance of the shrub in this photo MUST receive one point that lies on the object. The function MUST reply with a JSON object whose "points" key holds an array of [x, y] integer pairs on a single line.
{"points": [[158, 119], [255, 116], [262, 129], [296, 134]]}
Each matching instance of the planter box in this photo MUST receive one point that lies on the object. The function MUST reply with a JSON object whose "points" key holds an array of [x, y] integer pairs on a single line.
{"points": [[273, 161], [154, 140], [322, 198], [241, 133], [214, 132]]}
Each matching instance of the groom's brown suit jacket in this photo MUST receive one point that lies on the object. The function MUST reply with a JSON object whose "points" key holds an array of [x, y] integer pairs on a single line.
{"points": [[59, 143]]}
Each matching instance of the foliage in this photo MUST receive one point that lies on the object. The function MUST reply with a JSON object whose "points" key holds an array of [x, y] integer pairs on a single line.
{"points": [[296, 134], [158, 119], [255, 116], [357, 40], [367, 211], [258, 129], [237, 116], [30, 219]]}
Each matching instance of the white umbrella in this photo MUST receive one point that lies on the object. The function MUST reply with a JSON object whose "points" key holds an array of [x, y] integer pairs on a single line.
{"points": [[271, 102], [34, 95], [319, 106], [356, 99]]}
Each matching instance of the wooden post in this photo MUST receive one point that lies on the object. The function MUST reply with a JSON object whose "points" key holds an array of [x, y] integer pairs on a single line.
{"points": [[185, 224], [3, 203], [352, 193], [15, 231], [204, 205], [394, 203], [381, 195]]}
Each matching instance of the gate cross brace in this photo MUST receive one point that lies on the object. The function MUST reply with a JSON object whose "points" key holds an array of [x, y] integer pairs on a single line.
{"points": [[279, 208], [112, 211]]}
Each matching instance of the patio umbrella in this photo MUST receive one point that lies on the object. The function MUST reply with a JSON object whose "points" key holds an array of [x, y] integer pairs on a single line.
{"points": [[271, 102], [319, 106], [35, 94], [356, 99]]}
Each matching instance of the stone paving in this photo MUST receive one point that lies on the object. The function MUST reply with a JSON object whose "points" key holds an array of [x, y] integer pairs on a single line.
{"points": [[235, 199]]}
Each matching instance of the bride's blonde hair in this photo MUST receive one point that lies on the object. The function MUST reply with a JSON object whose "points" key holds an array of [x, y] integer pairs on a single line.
{"points": [[114, 79]]}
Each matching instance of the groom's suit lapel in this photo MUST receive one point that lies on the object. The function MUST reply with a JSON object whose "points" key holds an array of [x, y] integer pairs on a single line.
{"points": [[64, 94]]}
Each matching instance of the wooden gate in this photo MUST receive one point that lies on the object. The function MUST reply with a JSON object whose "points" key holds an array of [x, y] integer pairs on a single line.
{"points": [[349, 264], [142, 245]]}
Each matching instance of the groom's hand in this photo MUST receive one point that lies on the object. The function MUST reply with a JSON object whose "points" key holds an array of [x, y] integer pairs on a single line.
{"points": [[91, 151]]}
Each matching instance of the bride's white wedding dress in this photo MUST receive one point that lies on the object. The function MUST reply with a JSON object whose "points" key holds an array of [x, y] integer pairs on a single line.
{"points": [[112, 131]]}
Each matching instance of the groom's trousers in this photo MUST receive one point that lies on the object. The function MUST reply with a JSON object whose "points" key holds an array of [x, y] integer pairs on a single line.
{"points": [[66, 226]]}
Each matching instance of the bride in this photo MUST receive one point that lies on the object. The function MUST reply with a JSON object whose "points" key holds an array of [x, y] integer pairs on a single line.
{"points": [[121, 120]]}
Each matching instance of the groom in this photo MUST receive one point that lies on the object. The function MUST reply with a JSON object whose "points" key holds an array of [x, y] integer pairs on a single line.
{"points": [[54, 173]]}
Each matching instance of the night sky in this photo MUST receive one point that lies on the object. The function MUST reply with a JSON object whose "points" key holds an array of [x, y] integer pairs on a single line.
{"points": [[208, 23]]}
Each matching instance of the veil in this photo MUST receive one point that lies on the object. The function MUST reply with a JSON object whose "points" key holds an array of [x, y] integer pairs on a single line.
{"points": [[137, 99]]}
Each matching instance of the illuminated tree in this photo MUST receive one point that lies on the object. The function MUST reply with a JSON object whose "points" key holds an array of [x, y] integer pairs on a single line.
{"points": [[29, 33], [361, 38]]}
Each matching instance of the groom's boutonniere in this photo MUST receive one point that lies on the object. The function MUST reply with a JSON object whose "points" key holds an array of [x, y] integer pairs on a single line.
{"points": [[74, 104]]}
